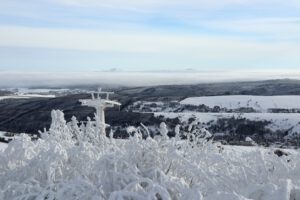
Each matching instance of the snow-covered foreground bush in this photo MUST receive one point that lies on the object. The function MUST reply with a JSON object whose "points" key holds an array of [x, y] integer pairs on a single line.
{"points": [[72, 162]]}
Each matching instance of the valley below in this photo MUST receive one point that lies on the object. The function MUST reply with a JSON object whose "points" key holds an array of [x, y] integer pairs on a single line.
{"points": [[266, 111]]}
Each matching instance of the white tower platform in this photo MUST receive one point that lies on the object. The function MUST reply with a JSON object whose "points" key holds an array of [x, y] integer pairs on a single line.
{"points": [[100, 105]]}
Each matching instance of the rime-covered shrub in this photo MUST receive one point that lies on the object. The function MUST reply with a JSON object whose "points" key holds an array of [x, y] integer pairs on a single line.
{"points": [[72, 161]]}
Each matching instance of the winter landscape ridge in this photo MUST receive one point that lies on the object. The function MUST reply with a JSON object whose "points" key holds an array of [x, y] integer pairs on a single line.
{"points": [[265, 110], [177, 146]]}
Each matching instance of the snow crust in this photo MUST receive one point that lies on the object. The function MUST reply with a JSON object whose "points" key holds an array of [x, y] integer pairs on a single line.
{"points": [[74, 162], [260, 103]]}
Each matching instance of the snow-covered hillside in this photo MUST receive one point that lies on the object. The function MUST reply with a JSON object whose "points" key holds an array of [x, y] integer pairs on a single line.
{"points": [[26, 93], [27, 96], [40, 90], [279, 121], [3, 146], [271, 119], [72, 162], [260, 103]]}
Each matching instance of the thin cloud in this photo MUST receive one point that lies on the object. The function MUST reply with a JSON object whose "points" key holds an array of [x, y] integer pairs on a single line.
{"points": [[285, 28], [216, 46], [172, 3], [142, 33]]}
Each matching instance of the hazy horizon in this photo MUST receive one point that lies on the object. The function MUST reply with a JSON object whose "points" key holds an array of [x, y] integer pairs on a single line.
{"points": [[10, 79]]}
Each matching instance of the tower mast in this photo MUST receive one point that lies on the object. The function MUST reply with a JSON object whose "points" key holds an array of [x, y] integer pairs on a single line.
{"points": [[100, 105]]}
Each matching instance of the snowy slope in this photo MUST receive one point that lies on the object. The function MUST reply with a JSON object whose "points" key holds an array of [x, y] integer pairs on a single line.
{"points": [[261, 103], [3, 146], [279, 121], [40, 90], [27, 96]]}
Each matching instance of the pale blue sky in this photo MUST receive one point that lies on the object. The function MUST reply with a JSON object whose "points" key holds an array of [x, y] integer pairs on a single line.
{"points": [[147, 35]]}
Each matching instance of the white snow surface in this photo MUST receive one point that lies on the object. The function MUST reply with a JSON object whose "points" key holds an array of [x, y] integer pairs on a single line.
{"points": [[37, 95], [72, 162], [40, 90], [279, 121], [13, 97], [3, 146], [27, 96], [260, 103]]}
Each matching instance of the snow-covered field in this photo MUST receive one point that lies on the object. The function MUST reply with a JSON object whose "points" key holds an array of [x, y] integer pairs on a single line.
{"points": [[279, 121], [260, 103], [3, 146], [26, 93], [40, 90], [72, 162], [27, 96]]}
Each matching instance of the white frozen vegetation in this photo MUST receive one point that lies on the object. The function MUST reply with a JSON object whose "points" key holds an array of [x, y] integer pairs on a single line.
{"points": [[73, 161]]}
